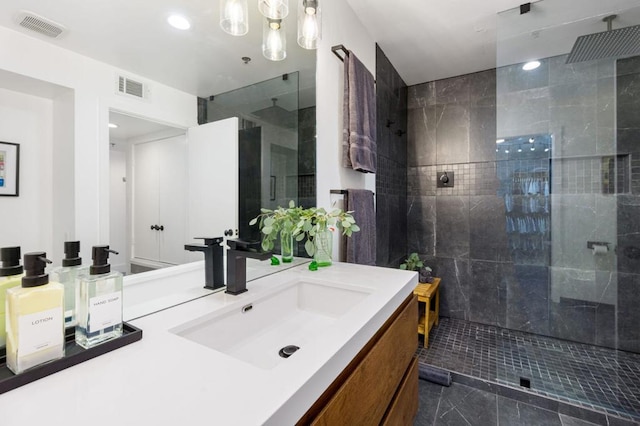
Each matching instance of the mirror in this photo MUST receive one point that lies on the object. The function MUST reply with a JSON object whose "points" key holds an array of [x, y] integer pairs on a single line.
{"points": [[62, 92]]}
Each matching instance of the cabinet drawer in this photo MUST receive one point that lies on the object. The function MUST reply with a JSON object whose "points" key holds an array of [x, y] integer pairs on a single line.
{"points": [[404, 406], [365, 394]]}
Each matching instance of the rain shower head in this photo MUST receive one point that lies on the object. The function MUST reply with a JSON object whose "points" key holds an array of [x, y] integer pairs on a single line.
{"points": [[607, 44]]}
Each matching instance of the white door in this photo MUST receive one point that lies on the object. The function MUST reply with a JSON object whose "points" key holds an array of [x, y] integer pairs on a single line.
{"points": [[145, 201], [172, 179], [213, 179], [118, 209]]}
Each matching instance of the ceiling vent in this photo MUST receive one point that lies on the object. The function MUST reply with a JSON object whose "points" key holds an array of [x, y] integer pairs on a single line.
{"points": [[39, 24], [127, 86]]}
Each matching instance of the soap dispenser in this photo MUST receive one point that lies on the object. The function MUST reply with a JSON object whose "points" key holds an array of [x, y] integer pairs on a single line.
{"points": [[67, 275], [35, 317], [10, 276], [99, 301]]}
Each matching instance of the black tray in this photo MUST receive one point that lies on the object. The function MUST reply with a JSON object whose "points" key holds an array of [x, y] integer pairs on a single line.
{"points": [[74, 354]]}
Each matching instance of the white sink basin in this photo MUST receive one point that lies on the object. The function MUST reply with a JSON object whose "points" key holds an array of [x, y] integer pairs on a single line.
{"points": [[254, 330]]}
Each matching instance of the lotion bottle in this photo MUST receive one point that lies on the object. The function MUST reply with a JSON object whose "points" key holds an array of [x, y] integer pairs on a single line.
{"points": [[67, 275], [10, 276], [99, 301], [35, 317]]}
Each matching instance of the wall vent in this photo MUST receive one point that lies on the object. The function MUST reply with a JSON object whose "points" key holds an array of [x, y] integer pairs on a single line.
{"points": [[127, 86], [39, 24]]}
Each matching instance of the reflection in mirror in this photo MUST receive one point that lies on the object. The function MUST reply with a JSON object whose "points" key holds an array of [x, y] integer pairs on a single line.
{"points": [[72, 85], [277, 135]]}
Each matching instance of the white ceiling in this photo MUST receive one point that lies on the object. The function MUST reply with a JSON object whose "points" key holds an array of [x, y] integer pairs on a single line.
{"points": [[135, 36], [433, 39], [425, 40]]}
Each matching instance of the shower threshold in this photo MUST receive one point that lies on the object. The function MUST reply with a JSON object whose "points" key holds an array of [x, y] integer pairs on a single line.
{"points": [[581, 380]]}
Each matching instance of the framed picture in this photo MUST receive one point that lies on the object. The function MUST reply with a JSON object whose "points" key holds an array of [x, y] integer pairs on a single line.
{"points": [[9, 169]]}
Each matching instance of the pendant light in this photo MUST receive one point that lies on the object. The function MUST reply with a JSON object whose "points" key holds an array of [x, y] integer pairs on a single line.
{"points": [[309, 24], [234, 17], [274, 9], [274, 41]]}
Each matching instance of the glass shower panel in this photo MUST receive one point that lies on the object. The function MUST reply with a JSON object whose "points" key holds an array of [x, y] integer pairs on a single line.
{"points": [[269, 140], [573, 205]]}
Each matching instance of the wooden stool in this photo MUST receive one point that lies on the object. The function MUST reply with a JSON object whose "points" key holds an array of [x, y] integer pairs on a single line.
{"points": [[425, 292]]}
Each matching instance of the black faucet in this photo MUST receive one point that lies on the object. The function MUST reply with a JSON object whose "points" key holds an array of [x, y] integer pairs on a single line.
{"points": [[237, 255], [213, 260]]}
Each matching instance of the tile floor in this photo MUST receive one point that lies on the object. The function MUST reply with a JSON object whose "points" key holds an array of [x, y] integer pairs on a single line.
{"points": [[579, 375], [467, 406]]}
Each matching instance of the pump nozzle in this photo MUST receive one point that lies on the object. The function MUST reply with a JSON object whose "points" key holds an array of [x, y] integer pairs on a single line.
{"points": [[10, 261], [71, 250], [34, 265], [100, 256]]}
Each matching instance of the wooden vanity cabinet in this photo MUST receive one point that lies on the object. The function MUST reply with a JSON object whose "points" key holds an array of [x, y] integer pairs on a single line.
{"points": [[380, 385]]}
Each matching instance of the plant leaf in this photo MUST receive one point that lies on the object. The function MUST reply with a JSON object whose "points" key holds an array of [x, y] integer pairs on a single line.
{"points": [[253, 221], [310, 247]]}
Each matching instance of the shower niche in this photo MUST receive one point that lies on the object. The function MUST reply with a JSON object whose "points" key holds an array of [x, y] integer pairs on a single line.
{"points": [[524, 171]]}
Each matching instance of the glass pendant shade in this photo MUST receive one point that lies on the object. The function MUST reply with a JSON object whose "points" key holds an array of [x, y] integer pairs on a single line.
{"points": [[309, 24], [274, 41], [274, 9], [234, 17]]}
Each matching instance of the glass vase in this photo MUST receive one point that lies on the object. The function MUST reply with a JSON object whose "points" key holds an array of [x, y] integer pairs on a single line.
{"points": [[286, 246], [324, 246]]}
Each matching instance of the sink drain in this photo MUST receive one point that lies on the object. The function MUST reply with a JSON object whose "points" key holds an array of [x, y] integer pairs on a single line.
{"points": [[287, 351]]}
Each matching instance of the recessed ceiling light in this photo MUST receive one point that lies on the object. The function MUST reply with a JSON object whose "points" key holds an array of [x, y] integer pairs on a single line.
{"points": [[113, 126], [531, 65], [179, 22], [499, 140]]}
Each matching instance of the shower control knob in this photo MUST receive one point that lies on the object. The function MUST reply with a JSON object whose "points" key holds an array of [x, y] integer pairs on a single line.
{"points": [[444, 178]]}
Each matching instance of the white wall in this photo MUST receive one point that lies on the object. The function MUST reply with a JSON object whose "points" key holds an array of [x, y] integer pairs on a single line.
{"points": [[340, 25], [26, 220], [93, 84]]}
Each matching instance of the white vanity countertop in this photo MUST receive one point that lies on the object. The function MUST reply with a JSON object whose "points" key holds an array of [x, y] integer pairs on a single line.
{"points": [[166, 379], [181, 283]]}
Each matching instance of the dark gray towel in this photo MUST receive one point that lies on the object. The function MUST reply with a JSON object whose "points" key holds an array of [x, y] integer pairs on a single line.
{"points": [[361, 246], [359, 150]]}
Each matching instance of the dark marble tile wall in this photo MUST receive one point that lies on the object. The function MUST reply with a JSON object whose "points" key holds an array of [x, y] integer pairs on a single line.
{"points": [[551, 284], [307, 156], [628, 205], [391, 176]]}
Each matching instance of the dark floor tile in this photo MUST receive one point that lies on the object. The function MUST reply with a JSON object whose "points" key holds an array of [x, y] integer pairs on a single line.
{"points": [[515, 413], [578, 380], [428, 400], [572, 421], [465, 406]]}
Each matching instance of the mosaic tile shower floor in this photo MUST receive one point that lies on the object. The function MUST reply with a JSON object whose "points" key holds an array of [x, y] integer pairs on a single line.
{"points": [[589, 376]]}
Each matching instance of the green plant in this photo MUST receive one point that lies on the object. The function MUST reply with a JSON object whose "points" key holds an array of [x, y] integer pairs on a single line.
{"points": [[302, 223], [414, 263], [272, 222]]}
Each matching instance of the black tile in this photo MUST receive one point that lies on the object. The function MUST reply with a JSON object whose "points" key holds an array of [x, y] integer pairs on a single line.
{"points": [[428, 400], [482, 134], [487, 228], [421, 218], [515, 413], [462, 405], [454, 90], [421, 136], [454, 287], [452, 226], [486, 293], [452, 133]]}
